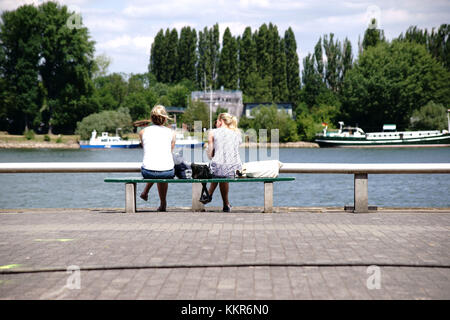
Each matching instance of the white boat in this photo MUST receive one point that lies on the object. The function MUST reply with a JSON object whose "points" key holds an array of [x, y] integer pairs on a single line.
{"points": [[107, 142], [187, 142]]}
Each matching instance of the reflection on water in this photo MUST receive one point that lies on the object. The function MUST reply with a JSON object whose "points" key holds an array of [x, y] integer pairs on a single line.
{"points": [[87, 190]]}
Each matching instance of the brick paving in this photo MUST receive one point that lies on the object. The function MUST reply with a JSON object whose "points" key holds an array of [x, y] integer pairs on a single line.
{"points": [[309, 253]]}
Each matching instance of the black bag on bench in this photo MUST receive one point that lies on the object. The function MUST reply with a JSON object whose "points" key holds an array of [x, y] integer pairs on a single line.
{"points": [[202, 171]]}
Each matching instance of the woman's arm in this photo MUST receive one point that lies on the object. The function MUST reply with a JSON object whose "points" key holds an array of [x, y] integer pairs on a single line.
{"points": [[141, 133], [174, 138], [210, 149]]}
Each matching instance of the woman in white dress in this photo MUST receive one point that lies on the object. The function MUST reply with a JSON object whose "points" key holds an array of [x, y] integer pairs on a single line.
{"points": [[223, 150]]}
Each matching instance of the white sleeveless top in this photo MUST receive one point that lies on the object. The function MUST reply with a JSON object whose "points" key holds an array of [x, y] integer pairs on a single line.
{"points": [[157, 144]]}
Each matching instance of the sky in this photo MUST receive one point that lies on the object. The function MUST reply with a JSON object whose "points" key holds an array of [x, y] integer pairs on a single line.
{"points": [[124, 30]]}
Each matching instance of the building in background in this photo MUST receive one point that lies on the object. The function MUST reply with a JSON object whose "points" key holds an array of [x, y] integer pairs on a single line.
{"points": [[227, 99]]}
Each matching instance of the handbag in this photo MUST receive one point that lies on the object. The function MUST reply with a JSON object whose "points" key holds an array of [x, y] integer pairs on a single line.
{"points": [[202, 171], [180, 170]]}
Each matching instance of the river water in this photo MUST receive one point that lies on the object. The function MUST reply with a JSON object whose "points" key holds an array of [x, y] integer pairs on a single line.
{"points": [[87, 190]]}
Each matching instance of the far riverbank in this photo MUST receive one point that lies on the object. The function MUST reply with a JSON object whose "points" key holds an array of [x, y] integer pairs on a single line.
{"points": [[8, 141], [75, 145]]}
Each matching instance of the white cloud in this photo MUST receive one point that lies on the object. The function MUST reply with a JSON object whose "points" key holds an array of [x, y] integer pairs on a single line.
{"points": [[236, 28], [14, 4], [254, 3], [170, 9], [105, 23], [125, 41], [124, 30], [181, 24]]}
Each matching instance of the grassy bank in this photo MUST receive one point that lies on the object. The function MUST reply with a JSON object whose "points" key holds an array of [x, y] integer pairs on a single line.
{"points": [[8, 141], [42, 141]]}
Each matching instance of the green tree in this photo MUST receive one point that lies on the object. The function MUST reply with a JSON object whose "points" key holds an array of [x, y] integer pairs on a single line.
{"points": [[110, 91], [247, 60], [372, 35], [271, 118], [66, 71], [101, 65], [209, 52], [259, 90], [309, 121], [105, 121], [137, 83], [292, 66], [228, 62], [312, 80], [436, 41], [178, 95], [432, 116], [390, 81], [263, 56], [172, 71], [278, 58], [333, 67], [187, 57], [157, 65], [19, 53], [318, 58], [137, 105], [196, 111], [347, 60]]}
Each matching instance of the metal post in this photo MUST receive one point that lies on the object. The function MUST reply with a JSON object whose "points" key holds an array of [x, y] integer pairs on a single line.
{"points": [[268, 197], [361, 193], [210, 108], [196, 193], [130, 197]]}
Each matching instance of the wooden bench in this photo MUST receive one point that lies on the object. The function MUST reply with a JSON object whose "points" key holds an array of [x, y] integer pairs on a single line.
{"points": [[130, 189]]}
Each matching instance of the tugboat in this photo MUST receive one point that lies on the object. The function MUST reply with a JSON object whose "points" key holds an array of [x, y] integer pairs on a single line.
{"points": [[107, 142], [355, 137]]}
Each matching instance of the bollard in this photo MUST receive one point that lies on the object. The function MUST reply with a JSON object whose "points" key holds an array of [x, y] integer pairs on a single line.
{"points": [[361, 193]]}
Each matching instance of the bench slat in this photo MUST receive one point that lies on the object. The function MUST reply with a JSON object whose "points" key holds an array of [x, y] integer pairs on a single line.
{"points": [[142, 180]]}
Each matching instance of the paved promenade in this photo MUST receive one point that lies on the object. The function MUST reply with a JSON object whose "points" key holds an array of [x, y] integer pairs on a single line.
{"points": [[311, 253]]}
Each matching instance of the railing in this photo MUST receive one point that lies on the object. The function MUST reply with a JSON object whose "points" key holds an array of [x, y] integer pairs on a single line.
{"points": [[359, 170]]}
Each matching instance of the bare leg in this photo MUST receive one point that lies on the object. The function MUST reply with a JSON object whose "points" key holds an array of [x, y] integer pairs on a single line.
{"points": [[144, 194], [224, 187], [212, 188], [162, 191]]}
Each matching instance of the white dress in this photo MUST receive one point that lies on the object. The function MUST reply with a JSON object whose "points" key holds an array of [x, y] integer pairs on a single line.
{"points": [[226, 159]]}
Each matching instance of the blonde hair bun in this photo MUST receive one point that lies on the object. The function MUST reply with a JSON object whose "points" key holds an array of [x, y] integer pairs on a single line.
{"points": [[229, 120]]}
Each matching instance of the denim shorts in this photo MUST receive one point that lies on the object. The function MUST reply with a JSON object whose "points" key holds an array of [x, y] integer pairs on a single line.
{"points": [[152, 174]]}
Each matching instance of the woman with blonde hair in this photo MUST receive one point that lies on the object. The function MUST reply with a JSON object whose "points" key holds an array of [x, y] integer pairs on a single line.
{"points": [[158, 142], [223, 150]]}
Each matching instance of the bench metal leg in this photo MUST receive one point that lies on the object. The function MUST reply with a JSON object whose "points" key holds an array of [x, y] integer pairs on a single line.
{"points": [[196, 193], [130, 197], [268, 197], [360, 193]]}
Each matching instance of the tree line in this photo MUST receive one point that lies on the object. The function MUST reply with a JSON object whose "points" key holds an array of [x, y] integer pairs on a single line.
{"points": [[50, 79], [261, 63]]}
